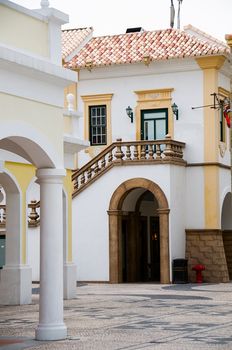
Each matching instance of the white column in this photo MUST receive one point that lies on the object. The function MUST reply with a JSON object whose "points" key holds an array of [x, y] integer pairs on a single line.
{"points": [[51, 325], [15, 277]]}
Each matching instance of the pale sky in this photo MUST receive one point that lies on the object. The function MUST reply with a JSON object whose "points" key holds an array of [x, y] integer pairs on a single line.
{"points": [[113, 17]]}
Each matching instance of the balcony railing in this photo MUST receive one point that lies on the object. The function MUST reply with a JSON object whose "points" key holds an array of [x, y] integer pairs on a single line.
{"points": [[128, 153], [33, 216]]}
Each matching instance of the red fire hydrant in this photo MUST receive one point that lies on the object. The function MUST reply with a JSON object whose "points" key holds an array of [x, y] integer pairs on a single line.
{"points": [[199, 268]]}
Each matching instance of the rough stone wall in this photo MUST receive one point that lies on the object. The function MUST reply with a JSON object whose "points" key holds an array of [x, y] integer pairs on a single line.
{"points": [[206, 247]]}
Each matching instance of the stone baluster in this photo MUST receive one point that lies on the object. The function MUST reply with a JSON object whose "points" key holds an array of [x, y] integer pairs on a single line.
{"points": [[128, 153], [150, 152], [179, 152], [158, 152], [143, 152], [136, 153], [168, 151], [119, 154], [82, 178], [110, 157], [96, 168], [33, 215], [89, 174], [103, 163], [76, 184]]}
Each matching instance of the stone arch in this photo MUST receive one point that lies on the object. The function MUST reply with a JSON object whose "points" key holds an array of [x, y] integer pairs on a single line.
{"points": [[121, 192], [115, 212]]}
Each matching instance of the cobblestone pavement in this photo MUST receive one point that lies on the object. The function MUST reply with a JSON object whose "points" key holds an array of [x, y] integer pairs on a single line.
{"points": [[130, 317]]}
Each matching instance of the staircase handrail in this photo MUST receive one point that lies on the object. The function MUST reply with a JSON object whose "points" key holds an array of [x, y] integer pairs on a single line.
{"points": [[166, 150]]}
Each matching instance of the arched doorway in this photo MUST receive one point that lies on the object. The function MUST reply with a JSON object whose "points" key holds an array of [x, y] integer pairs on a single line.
{"points": [[140, 242], [130, 232], [226, 226], [226, 217]]}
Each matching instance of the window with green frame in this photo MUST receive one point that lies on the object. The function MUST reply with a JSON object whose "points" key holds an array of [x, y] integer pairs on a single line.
{"points": [[97, 125]]}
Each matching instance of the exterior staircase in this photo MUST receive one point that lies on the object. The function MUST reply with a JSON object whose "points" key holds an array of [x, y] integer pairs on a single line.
{"points": [[227, 240], [122, 153]]}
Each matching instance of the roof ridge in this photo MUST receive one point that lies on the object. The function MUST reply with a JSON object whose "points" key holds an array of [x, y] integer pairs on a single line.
{"points": [[70, 29], [205, 35], [133, 33]]}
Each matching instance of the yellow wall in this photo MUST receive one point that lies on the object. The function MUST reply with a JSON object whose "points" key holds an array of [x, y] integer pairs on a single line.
{"points": [[210, 67], [14, 31], [24, 174], [47, 119]]}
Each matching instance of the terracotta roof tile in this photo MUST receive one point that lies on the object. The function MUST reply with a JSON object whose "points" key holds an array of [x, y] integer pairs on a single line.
{"points": [[132, 47], [73, 38]]}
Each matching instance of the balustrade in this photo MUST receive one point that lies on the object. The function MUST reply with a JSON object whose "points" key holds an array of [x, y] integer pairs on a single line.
{"points": [[120, 152], [33, 216], [2, 215]]}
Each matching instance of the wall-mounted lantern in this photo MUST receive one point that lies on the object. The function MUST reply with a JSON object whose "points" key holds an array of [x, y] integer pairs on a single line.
{"points": [[129, 112], [175, 110]]}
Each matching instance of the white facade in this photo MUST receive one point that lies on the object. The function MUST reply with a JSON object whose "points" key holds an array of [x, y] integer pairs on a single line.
{"points": [[183, 186]]}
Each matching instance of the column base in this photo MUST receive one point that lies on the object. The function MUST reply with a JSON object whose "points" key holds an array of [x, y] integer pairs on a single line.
{"points": [[70, 281], [15, 285], [51, 332]]}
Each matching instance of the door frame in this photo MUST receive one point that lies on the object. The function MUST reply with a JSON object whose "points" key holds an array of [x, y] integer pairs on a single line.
{"points": [[115, 217], [152, 111], [151, 99]]}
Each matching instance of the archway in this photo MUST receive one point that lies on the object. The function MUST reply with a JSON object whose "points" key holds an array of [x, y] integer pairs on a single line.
{"points": [[136, 187], [226, 217], [226, 226], [50, 173], [10, 290]]}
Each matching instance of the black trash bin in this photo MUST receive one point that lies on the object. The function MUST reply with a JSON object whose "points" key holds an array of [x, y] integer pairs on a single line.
{"points": [[180, 271]]}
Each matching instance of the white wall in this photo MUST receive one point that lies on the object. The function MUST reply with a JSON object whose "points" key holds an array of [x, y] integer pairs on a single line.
{"points": [[194, 212], [186, 79], [177, 219], [90, 218], [33, 245]]}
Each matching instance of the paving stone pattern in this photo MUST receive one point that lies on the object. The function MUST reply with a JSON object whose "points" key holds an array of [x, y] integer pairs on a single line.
{"points": [[130, 317]]}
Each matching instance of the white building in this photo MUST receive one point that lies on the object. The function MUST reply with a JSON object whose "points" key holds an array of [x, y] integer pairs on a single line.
{"points": [[36, 146], [156, 186]]}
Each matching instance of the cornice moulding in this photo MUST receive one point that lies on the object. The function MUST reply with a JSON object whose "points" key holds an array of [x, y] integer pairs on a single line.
{"points": [[28, 65]]}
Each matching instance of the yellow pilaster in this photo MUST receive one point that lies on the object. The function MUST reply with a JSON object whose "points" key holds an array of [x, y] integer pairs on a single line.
{"points": [[210, 67], [24, 174]]}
